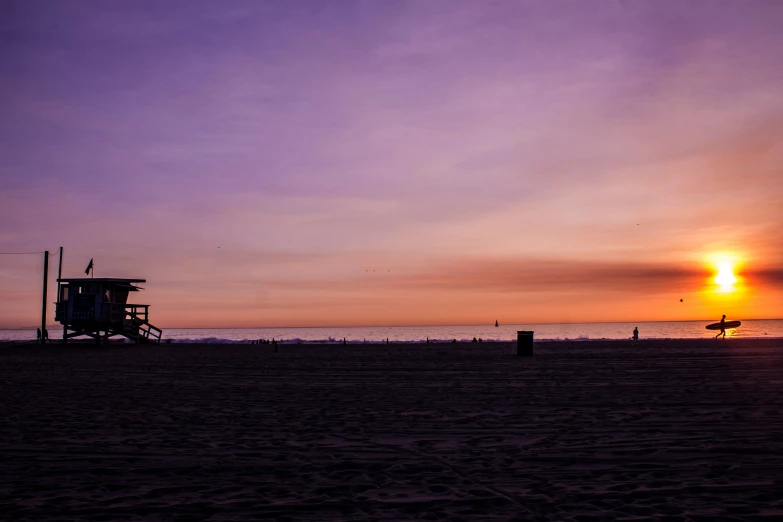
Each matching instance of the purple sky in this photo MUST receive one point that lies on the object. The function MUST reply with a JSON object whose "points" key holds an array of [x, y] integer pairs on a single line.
{"points": [[466, 151]]}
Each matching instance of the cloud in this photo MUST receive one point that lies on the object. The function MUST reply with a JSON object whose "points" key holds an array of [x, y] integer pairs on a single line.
{"points": [[768, 276], [535, 275], [524, 275]]}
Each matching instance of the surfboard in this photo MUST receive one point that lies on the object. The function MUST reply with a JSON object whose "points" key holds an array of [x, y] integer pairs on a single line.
{"points": [[726, 325]]}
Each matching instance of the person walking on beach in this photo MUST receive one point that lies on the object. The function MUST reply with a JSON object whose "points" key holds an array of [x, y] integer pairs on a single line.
{"points": [[635, 333], [722, 327], [38, 334]]}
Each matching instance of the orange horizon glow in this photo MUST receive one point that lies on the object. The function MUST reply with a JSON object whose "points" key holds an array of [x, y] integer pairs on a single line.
{"points": [[452, 291]]}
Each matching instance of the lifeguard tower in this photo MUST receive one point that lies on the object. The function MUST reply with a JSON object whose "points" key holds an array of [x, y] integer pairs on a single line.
{"points": [[98, 307]]}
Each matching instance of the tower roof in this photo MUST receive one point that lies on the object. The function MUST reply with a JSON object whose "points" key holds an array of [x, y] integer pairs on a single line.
{"points": [[100, 280]]}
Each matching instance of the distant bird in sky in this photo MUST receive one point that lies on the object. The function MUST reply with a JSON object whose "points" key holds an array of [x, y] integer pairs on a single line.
{"points": [[681, 300]]}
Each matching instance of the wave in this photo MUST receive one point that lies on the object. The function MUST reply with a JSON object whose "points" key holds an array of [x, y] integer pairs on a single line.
{"points": [[296, 340], [331, 341]]}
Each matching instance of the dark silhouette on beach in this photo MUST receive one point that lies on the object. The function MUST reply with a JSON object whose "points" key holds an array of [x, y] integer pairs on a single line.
{"points": [[636, 333], [722, 327], [38, 334]]}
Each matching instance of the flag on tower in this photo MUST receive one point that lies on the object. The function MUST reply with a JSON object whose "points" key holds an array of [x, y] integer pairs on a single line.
{"points": [[89, 267]]}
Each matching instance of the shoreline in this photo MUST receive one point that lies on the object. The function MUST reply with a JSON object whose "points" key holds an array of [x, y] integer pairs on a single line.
{"points": [[503, 333], [114, 343]]}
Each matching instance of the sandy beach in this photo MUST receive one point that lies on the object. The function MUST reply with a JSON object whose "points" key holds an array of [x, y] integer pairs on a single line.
{"points": [[600, 430]]}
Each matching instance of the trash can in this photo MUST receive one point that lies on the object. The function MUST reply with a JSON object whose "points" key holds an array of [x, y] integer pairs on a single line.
{"points": [[524, 343]]}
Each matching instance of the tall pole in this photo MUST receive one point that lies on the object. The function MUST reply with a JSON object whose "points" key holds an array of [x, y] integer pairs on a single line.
{"points": [[43, 304], [59, 276]]}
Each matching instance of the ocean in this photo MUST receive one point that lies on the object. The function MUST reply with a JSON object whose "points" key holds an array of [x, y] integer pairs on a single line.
{"points": [[505, 332]]}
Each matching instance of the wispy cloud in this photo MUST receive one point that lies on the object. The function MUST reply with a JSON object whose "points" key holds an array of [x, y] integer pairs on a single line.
{"points": [[476, 149], [526, 275]]}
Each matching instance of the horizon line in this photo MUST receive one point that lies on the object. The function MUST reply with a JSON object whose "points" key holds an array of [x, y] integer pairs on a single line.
{"points": [[419, 326]]}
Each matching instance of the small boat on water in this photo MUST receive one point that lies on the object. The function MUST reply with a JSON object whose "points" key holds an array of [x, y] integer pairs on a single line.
{"points": [[496, 323]]}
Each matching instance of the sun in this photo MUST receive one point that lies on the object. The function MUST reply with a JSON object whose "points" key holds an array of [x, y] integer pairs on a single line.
{"points": [[725, 266], [725, 275]]}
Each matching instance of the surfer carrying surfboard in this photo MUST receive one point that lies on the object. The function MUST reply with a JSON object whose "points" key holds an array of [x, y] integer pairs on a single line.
{"points": [[722, 327]]}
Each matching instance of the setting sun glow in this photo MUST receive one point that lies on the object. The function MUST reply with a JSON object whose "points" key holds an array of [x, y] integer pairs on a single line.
{"points": [[725, 275], [725, 266]]}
